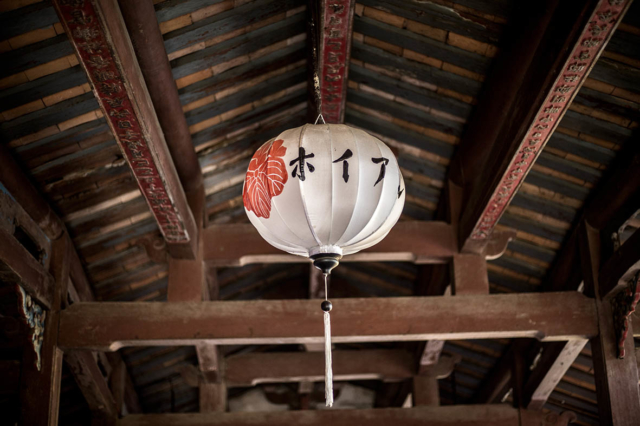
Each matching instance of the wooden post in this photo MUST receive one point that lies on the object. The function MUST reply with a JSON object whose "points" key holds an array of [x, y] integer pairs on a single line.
{"points": [[616, 379], [469, 274], [188, 282], [426, 392], [42, 368]]}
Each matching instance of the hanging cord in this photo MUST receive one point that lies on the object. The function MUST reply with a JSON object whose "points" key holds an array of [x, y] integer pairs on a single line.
{"points": [[328, 372]]}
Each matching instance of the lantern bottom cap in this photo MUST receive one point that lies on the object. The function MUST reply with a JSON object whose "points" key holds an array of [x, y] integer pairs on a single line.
{"points": [[326, 261]]}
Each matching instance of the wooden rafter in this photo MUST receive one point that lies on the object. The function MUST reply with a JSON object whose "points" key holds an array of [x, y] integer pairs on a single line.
{"points": [[108, 326], [333, 31], [533, 84], [100, 38]]}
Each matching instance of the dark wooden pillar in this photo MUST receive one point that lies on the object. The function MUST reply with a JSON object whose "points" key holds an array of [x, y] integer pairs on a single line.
{"points": [[42, 367], [616, 379]]}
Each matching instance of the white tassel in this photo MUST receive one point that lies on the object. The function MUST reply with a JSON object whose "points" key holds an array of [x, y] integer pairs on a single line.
{"points": [[328, 372]]}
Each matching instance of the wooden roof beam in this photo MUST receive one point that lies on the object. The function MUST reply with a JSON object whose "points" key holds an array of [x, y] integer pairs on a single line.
{"points": [[471, 415], [278, 367], [553, 48], [332, 32], [419, 242], [109, 326], [103, 47], [154, 64]]}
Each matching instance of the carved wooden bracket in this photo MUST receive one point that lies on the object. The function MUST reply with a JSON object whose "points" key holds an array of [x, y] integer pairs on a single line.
{"points": [[34, 315], [624, 304], [156, 248]]}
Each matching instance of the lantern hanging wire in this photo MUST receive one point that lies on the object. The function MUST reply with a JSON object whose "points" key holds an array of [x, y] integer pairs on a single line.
{"points": [[324, 263]]}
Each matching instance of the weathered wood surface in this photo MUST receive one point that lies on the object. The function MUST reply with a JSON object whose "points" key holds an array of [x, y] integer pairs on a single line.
{"points": [[18, 266], [15, 183], [278, 367], [478, 415], [419, 242], [541, 70], [549, 370], [108, 326], [103, 47], [333, 31], [92, 384]]}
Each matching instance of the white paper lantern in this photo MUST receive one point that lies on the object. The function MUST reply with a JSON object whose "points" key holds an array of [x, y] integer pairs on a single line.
{"points": [[323, 191]]}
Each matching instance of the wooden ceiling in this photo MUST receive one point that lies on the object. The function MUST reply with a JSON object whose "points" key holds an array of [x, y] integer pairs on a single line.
{"points": [[416, 76]]}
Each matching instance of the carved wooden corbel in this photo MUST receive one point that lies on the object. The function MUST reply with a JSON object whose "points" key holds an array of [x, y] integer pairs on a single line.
{"points": [[624, 304]]}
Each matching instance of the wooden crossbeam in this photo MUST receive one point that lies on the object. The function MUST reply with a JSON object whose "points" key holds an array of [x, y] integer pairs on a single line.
{"points": [[485, 415], [278, 367], [109, 326], [535, 79], [332, 30], [101, 41], [419, 242]]}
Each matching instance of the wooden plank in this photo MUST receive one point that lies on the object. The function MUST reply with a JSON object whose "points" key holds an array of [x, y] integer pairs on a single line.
{"points": [[543, 67], [226, 22], [421, 44], [109, 326], [103, 47], [549, 370], [277, 367], [419, 242], [331, 30], [92, 384], [485, 415], [242, 45], [616, 379]]}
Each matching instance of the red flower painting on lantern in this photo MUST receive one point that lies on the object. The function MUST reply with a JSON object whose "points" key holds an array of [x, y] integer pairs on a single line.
{"points": [[266, 177]]}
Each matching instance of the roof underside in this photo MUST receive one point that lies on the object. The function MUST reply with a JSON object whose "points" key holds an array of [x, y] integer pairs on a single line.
{"points": [[416, 72]]}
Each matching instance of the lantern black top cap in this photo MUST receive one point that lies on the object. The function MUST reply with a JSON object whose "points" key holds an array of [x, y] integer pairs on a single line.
{"points": [[326, 261]]}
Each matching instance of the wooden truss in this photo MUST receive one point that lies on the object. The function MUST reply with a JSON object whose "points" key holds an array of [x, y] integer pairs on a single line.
{"points": [[463, 242]]}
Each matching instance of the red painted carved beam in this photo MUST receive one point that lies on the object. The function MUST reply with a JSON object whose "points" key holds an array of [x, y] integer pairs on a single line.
{"points": [[534, 83], [98, 33], [334, 23]]}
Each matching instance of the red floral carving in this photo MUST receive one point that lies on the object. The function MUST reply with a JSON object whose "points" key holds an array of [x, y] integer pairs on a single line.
{"points": [[266, 177]]}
